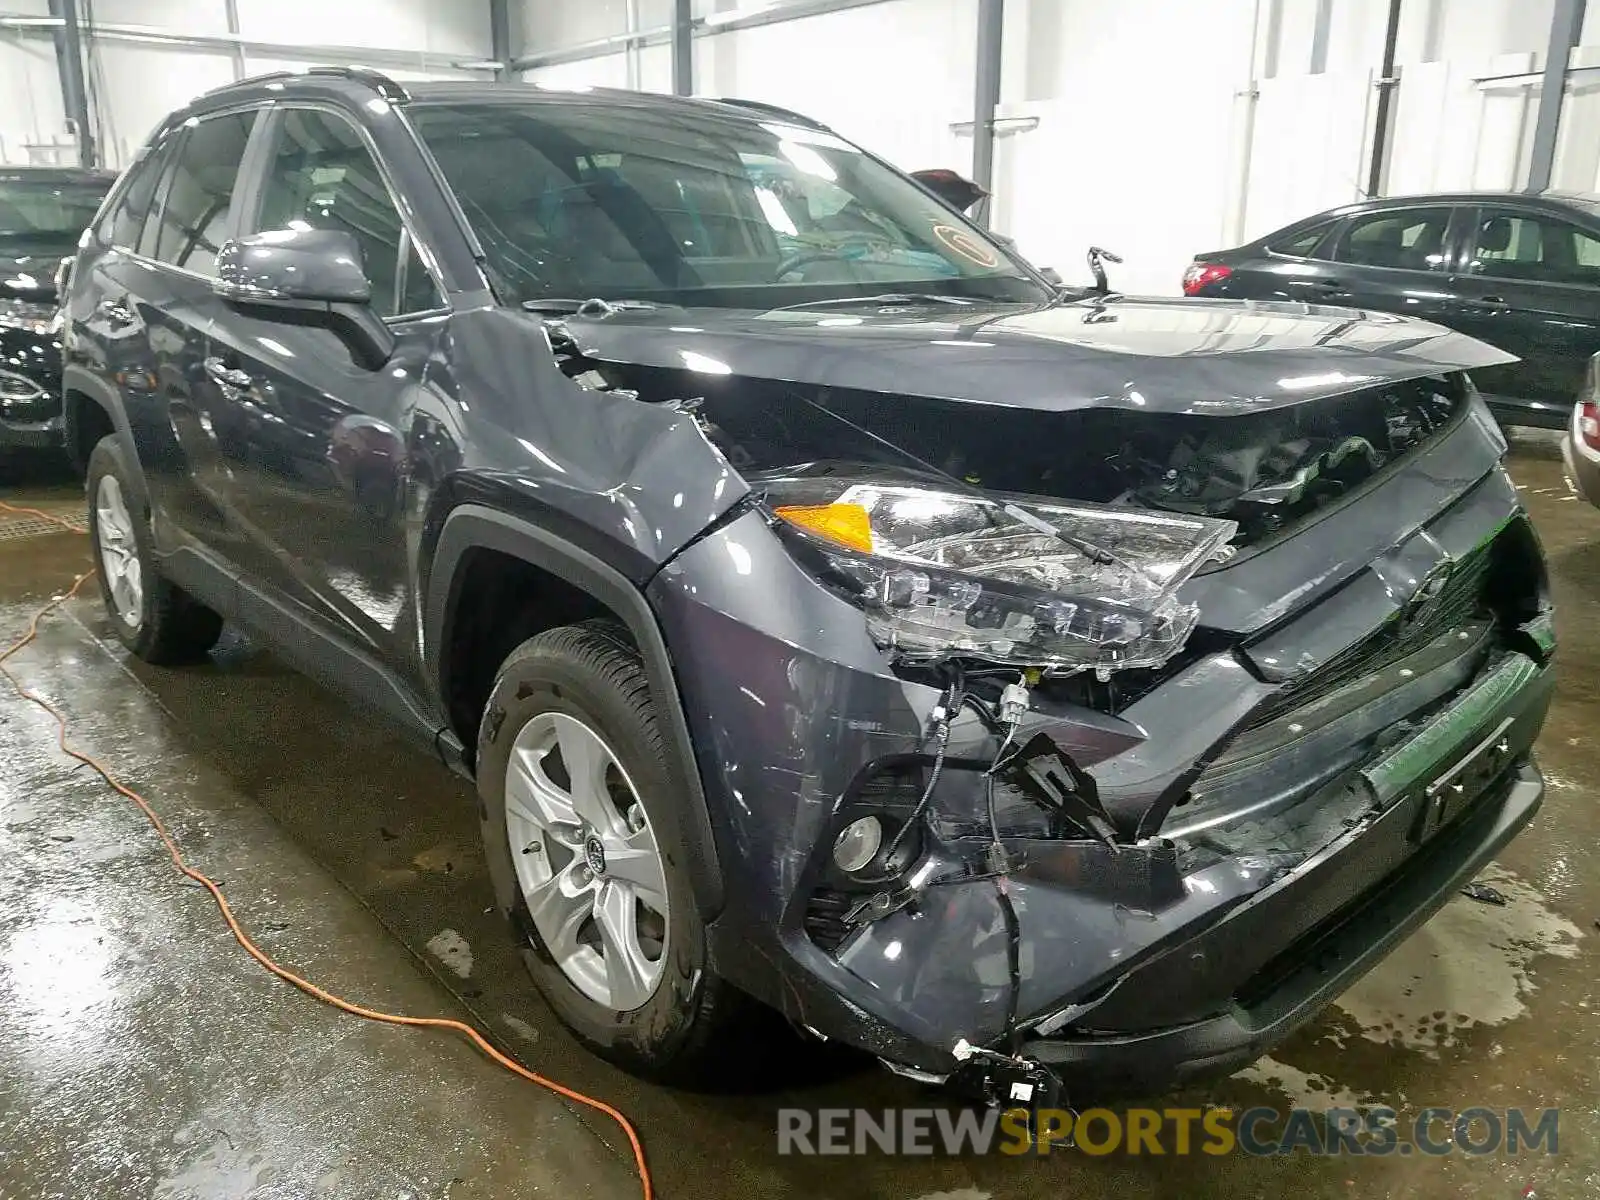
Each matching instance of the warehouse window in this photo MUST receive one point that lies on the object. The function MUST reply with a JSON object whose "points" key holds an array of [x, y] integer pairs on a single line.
{"points": [[196, 218], [1535, 249], [1411, 239], [322, 176]]}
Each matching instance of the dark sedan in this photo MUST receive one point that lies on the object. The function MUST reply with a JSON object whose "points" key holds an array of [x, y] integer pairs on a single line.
{"points": [[1521, 272], [43, 210]]}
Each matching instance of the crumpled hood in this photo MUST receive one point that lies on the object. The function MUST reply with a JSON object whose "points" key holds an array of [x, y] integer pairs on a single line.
{"points": [[1174, 356]]}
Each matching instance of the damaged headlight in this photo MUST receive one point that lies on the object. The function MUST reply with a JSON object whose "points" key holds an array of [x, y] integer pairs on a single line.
{"points": [[943, 574]]}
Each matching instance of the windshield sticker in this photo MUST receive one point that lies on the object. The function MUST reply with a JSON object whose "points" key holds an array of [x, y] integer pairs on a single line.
{"points": [[964, 244]]}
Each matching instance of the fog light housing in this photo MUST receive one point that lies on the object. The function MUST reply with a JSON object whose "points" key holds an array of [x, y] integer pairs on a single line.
{"points": [[858, 844]]}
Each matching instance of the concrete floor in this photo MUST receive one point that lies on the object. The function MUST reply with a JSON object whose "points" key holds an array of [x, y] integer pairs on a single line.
{"points": [[141, 1054]]}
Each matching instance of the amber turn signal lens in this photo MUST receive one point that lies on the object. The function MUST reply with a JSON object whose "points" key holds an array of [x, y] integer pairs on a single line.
{"points": [[847, 524]]}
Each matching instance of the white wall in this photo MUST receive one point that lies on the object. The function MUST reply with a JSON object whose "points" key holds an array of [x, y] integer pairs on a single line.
{"points": [[133, 85], [892, 77], [1144, 115], [30, 93]]}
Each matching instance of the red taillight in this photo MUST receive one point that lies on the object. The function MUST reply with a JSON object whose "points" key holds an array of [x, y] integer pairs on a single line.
{"points": [[1201, 275], [1589, 423]]}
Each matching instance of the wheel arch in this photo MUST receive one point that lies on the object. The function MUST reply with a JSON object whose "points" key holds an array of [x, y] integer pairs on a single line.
{"points": [[470, 529], [83, 390]]}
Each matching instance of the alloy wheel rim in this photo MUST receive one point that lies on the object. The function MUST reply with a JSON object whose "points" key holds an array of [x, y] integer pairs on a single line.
{"points": [[119, 552], [587, 861]]}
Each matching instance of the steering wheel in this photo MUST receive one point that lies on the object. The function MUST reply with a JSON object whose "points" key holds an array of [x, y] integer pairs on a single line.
{"points": [[834, 253]]}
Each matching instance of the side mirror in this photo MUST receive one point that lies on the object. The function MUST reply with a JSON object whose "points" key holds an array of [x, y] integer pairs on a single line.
{"points": [[306, 277]]}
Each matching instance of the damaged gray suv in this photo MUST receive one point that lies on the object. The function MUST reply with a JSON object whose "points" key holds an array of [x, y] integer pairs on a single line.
{"points": [[838, 619]]}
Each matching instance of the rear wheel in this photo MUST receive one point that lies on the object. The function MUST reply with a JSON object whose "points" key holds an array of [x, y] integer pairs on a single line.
{"points": [[154, 618], [578, 797]]}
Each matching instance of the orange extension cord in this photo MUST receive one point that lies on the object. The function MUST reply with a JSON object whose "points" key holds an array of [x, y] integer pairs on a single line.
{"points": [[254, 951]]}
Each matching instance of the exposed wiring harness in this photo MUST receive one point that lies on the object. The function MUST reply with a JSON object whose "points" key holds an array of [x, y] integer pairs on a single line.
{"points": [[182, 866]]}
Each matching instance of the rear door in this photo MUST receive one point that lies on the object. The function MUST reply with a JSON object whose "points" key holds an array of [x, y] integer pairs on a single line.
{"points": [[318, 464], [154, 306], [1393, 260], [1530, 284]]}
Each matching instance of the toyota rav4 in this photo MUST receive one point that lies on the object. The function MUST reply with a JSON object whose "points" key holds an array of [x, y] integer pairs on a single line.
{"points": [[836, 618]]}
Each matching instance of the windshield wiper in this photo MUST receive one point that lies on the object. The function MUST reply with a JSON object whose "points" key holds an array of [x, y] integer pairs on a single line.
{"points": [[886, 298], [595, 306]]}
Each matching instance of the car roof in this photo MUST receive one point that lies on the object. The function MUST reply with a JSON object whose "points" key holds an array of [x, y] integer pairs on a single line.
{"points": [[1587, 202], [357, 84]]}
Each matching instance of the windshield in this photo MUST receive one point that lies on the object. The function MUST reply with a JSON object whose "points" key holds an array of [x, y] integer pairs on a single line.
{"points": [[47, 212], [676, 206]]}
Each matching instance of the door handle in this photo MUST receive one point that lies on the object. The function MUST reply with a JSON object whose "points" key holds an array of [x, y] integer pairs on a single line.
{"points": [[1492, 303], [231, 378]]}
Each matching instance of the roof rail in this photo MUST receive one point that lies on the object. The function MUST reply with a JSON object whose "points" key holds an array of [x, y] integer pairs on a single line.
{"points": [[773, 110], [376, 80]]}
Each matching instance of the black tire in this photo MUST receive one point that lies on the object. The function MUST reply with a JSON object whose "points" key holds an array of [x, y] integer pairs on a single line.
{"points": [[167, 626], [685, 1033]]}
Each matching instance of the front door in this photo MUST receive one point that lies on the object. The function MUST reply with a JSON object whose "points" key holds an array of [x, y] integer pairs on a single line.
{"points": [[1531, 286], [320, 469]]}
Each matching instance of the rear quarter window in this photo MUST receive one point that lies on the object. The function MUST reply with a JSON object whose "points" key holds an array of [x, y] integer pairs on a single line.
{"points": [[1302, 244]]}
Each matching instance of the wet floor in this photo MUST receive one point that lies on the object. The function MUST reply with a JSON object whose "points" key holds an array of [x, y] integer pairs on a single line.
{"points": [[142, 1054]]}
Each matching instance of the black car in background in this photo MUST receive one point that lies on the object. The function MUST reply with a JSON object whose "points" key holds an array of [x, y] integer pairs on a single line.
{"points": [[43, 210], [1521, 272]]}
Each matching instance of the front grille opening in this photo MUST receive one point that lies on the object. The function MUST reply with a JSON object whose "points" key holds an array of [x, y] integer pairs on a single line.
{"points": [[1501, 580]]}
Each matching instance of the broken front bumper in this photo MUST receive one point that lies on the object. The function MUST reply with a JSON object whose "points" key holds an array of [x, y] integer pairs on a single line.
{"points": [[1442, 804], [1153, 959]]}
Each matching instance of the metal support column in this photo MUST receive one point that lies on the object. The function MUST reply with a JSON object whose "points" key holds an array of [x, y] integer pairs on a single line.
{"points": [[683, 47], [1566, 25], [991, 28], [69, 65], [1387, 81], [1320, 30], [231, 9], [500, 39]]}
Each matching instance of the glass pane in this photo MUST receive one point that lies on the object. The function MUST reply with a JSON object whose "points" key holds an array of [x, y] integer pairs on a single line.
{"points": [[1411, 239], [573, 201], [45, 214], [1301, 244], [195, 219], [1536, 249], [126, 221], [323, 177]]}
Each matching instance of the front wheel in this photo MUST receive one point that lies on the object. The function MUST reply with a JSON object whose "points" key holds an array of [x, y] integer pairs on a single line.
{"points": [[578, 794]]}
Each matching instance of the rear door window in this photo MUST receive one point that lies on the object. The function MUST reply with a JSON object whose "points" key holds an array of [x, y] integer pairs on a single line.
{"points": [[1411, 239], [1534, 248], [125, 222], [197, 215]]}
